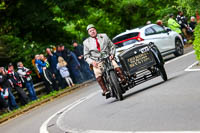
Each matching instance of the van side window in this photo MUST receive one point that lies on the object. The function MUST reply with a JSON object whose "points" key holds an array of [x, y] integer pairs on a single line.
{"points": [[158, 29], [149, 31]]}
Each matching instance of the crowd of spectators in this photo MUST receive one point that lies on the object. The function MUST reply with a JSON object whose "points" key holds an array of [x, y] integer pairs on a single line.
{"points": [[180, 24], [58, 68]]}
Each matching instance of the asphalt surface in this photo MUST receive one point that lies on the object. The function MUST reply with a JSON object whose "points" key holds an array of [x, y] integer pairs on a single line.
{"points": [[152, 106]]}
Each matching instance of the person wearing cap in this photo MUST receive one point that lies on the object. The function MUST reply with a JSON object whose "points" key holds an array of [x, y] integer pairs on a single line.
{"points": [[173, 25], [17, 84], [100, 42]]}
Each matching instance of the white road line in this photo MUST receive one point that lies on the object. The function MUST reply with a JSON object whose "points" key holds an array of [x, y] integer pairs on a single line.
{"points": [[43, 128], [177, 58], [95, 131], [188, 69]]}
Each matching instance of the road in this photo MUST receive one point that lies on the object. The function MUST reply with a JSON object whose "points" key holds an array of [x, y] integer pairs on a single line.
{"points": [[152, 106]]}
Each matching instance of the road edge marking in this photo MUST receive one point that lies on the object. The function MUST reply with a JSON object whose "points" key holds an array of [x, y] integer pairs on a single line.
{"points": [[43, 128], [180, 57], [189, 69]]}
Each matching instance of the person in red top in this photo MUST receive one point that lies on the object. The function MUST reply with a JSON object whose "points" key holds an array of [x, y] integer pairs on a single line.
{"points": [[16, 83]]}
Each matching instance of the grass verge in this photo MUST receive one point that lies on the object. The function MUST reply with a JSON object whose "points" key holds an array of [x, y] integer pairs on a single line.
{"points": [[42, 100]]}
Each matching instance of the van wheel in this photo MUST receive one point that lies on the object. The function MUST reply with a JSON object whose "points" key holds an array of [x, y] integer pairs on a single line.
{"points": [[179, 49]]}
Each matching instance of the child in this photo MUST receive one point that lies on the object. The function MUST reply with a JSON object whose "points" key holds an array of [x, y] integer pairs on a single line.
{"points": [[61, 66]]}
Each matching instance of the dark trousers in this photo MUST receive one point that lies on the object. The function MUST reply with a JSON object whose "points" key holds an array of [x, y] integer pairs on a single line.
{"points": [[49, 84], [75, 74], [31, 90], [22, 95], [87, 73], [11, 100], [3, 103]]}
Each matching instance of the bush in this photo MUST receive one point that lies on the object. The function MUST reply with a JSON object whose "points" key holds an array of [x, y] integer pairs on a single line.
{"points": [[196, 42]]}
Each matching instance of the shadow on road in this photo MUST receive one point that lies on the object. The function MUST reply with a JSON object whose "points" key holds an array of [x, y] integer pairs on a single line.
{"points": [[141, 90], [147, 88]]}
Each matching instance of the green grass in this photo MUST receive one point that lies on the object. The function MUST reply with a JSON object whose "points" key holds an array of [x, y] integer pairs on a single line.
{"points": [[42, 98]]}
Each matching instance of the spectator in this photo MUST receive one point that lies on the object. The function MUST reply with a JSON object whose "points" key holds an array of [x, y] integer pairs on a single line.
{"points": [[192, 23], [17, 84], [173, 25], [36, 70], [58, 51], [159, 22], [84, 67], [53, 61], [49, 77], [40, 66], [3, 102], [26, 78], [73, 65], [5, 84], [197, 17], [61, 66], [182, 21], [148, 22]]}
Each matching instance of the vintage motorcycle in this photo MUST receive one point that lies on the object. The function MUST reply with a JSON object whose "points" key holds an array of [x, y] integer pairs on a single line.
{"points": [[140, 63], [109, 75]]}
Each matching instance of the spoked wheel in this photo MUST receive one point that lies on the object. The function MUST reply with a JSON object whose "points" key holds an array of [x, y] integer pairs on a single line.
{"points": [[117, 89], [163, 73], [178, 47]]}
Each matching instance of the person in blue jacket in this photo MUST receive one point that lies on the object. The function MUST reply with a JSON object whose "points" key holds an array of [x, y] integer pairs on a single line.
{"points": [[46, 75]]}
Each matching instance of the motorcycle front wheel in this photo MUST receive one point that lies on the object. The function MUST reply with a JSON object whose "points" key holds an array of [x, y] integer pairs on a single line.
{"points": [[117, 89]]}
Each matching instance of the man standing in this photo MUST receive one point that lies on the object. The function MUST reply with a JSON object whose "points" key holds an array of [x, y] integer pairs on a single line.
{"points": [[173, 25], [192, 23], [73, 64], [24, 73], [4, 83], [78, 50], [181, 19], [100, 42], [53, 61], [17, 84]]}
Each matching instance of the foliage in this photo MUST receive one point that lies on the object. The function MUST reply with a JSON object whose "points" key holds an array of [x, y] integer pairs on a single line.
{"points": [[197, 41], [27, 27], [190, 6]]}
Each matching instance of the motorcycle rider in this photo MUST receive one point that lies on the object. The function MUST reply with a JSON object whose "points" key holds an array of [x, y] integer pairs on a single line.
{"points": [[100, 42]]}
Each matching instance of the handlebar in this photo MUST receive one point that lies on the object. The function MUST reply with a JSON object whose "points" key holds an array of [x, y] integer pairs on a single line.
{"points": [[98, 55]]}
